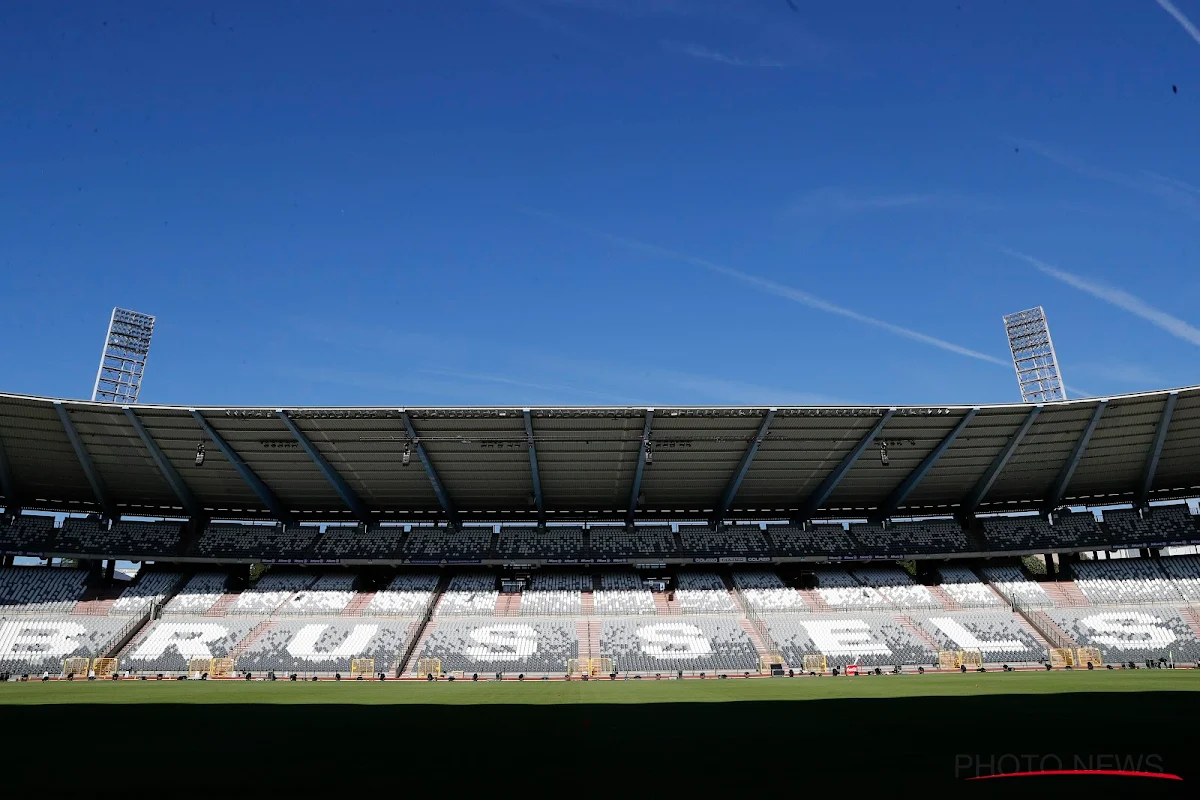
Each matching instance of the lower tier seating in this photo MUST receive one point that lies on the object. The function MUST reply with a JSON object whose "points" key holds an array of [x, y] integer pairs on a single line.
{"points": [[40, 590], [1124, 580], [325, 645], [965, 588], [199, 594], [472, 594], [763, 591], [169, 643], [148, 589], [490, 645], [1134, 633], [693, 643], [869, 639], [1018, 590], [408, 595], [998, 635], [622, 593], [33, 645]]}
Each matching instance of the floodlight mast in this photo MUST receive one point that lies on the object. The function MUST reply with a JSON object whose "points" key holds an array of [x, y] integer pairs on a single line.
{"points": [[1033, 356], [123, 360]]}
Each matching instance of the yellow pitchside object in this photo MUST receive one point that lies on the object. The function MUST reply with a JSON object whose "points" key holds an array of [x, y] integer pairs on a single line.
{"points": [[362, 667]]}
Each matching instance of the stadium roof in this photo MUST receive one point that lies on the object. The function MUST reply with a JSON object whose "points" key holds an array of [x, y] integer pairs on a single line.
{"points": [[500, 464]]}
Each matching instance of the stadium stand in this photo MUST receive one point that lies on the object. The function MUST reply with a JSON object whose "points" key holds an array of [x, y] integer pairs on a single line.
{"points": [[868, 639], [1184, 572], [124, 538], [270, 592], [471, 594], [199, 594], [1124, 581], [351, 542], [998, 635], [149, 588], [818, 540], [437, 543], [1030, 532], [763, 591], [697, 644], [27, 533], [40, 590], [251, 541], [840, 590], [622, 593], [408, 595], [1131, 634], [642, 541], [965, 588], [896, 586], [329, 594], [702, 593], [1014, 587], [1172, 523], [738, 540], [554, 594], [31, 645], [1078, 529], [904, 538], [535, 543], [535, 646], [324, 646], [166, 645]]}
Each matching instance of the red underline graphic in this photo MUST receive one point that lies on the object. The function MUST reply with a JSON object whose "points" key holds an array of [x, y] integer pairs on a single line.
{"points": [[1124, 773]]}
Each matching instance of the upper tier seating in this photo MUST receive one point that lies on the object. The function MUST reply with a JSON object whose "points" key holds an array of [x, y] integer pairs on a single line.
{"points": [[408, 595], [352, 542], [148, 589], [966, 588], [554, 594], [199, 594], [694, 644], [897, 586], [31, 645], [818, 540], [270, 592], [622, 593], [763, 591], [325, 645], [998, 635], [166, 645], [534, 543], [470, 593], [738, 540], [641, 541], [1172, 523], [903, 538], [125, 538], [1132, 633], [330, 594], [431, 543], [702, 593], [1079, 529], [869, 639], [1030, 532], [841, 591], [256, 541], [28, 533], [1125, 580], [486, 645], [40, 590], [1018, 590], [1184, 572]]}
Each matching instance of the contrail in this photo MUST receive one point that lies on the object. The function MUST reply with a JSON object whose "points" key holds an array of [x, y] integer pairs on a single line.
{"points": [[1181, 18], [786, 292], [1117, 297]]}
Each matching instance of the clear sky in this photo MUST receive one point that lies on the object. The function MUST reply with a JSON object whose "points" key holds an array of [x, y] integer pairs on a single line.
{"points": [[599, 201]]}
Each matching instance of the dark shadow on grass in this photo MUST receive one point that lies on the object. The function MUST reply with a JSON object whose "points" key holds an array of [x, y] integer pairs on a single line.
{"points": [[906, 745]]}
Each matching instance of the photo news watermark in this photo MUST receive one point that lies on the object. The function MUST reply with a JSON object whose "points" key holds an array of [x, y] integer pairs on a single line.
{"points": [[980, 766]]}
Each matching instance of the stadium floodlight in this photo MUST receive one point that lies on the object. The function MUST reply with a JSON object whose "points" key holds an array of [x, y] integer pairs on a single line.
{"points": [[123, 360], [1033, 356], [200, 454]]}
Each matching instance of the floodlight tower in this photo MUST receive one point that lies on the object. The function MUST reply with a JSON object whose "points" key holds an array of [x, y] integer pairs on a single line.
{"points": [[1033, 356], [123, 361]]}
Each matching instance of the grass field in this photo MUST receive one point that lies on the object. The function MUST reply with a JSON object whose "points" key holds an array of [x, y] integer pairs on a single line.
{"points": [[900, 734]]}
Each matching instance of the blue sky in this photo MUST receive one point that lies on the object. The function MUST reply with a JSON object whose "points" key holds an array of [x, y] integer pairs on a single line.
{"points": [[599, 201]]}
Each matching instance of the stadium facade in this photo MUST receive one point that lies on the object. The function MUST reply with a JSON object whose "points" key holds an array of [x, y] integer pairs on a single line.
{"points": [[637, 540]]}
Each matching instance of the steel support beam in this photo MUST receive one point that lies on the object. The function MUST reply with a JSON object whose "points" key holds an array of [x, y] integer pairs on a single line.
{"points": [[1160, 438], [349, 497], [438, 488], [268, 497], [1059, 487], [735, 482], [641, 467], [817, 499], [901, 492], [165, 467], [12, 501], [85, 461], [981, 489], [533, 467]]}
